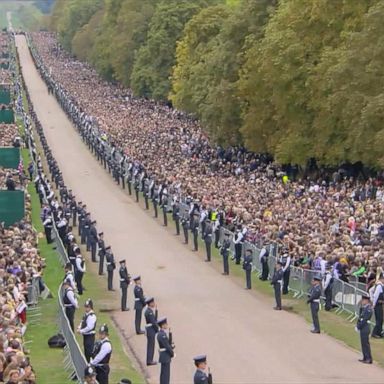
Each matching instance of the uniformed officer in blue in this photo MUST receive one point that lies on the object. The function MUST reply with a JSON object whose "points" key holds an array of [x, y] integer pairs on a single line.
{"points": [[201, 377], [151, 328], [69, 302], [277, 280], [165, 351], [89, 375], [139, 304], [102, 355], [185, 225], [111, 266], [247, 266], [87, 328], [207, 236], [224, 251], [364, 328], [314, 301], [125, 280]]}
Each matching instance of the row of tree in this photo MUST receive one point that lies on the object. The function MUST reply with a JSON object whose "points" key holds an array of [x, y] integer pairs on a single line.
{"points": [[299, 79]]}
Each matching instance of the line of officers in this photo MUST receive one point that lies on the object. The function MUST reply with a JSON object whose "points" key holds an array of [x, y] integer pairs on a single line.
{"points": [[98, 353]]}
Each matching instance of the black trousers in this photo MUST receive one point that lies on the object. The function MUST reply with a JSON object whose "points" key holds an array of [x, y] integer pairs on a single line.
{"points": [[185, 230], [102, 374], [48, 234], [195, 239], [101, 263], [248, 280], [208, 244], [328, 298], [378, 329], [217, 238], [165, 373], [165, 217], [146, 202], [287, 273], [238, 250], [93, 250], [124, 290], [315, 316], [79, 281], [88, 342], [110, 280], [138, 315], [226, 264], [129, 187], [277, 289], [137, 195], [70, 313], [177, 224], [151, 336], [155, 208], [365, 346], [264, 270], [74, 215]]}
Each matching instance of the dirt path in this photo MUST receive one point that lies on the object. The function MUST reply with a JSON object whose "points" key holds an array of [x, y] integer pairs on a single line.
{"points": [[246, 341]]}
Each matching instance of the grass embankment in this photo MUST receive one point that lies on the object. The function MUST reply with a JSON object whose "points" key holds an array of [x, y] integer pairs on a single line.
{"points": [[25, 15]]}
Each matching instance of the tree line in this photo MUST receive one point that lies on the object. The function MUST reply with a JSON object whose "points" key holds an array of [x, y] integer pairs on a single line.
{"points": [[299, 79]]}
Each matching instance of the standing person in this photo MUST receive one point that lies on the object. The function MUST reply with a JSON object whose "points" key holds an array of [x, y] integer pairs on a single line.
{"points": [[111, 266], [70, 303], [207, 236], [286, 262], [327, 286], [201, 377], [151, 328], [263, 257], [139, 304], [48, 224], [93, 239], [125, 280], [164, 206], [165, 351], [102, 355], [378, 300], [185, 225], [238, 240], [247, 266], [79, 271], [277, 280], [195, 231], [314, 301], [224, 251], [101, 245], [364, 328], [69, 276], [176, 215], [87, 328]]}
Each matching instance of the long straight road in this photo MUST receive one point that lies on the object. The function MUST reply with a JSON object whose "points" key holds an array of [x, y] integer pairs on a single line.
{"points": [[246, 341]]}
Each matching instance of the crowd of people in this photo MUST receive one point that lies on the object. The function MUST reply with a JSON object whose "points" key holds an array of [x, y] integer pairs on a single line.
{"points": [[9, 135], [332, 216]]}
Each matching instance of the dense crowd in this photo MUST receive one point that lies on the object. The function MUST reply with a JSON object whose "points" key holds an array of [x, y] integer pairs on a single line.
{"points": [[9, 135], [332, 217]]}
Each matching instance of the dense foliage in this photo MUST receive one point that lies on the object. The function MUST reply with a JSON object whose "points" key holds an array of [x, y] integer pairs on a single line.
{"points": [[299, 79]]}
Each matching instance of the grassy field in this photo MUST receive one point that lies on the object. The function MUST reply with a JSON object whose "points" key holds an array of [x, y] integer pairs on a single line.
{"points": [[24, 15]]}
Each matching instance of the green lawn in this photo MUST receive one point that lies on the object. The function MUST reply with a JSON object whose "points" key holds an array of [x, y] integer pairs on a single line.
{"points": [[24, 15]]}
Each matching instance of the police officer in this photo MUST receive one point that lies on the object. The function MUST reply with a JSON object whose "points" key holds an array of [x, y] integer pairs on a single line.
{"points": [[69, 276], [176, 215], [207, 236], [164, 206], [79, 271], [125, 280], [139, 304], [93, 240], [327, 287], [201, 377], [364, 328], [102, 355], [101, 245], [377, 303], [263, 257], [185, 225], [85, 230], [89, 375], [151, 328], [238, 240], [314, 301], [87, 328], [247, 266], [286, 262], [48, 224], [277, 280], [195, 231], [165, 351], [70, 303], [224, 251], [111, 266]]}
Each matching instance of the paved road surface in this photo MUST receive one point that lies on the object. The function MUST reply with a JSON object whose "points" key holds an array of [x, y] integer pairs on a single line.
{"points": [[246, 341]]}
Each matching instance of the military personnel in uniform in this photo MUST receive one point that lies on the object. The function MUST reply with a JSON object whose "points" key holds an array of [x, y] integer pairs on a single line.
{"points": [[201, 377], [247, 266], [101, 245], [90, 375], [111, 266], [125, 280], [139, 304], [102, 355], [165, 351], [277, 280], [207, 236], [151, 328], [314, 301], [70, 303], [364, 328], [185, 225], [224, 251], [87, 328]]}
